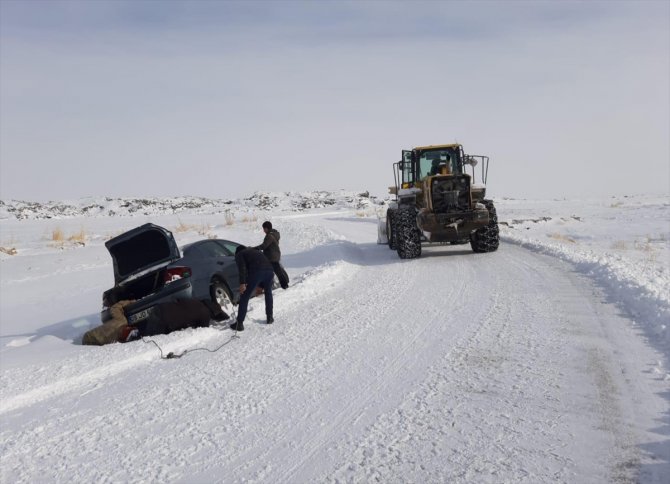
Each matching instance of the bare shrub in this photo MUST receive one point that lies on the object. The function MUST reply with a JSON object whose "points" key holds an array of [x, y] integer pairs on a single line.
{"points": [[205, 230], [57, 235], [230, 217], [561, 237], [78, 237], [619, 245], [110, 236], [248, 218], [8, 250], [60, 240], [643, 246], [182, 227]]}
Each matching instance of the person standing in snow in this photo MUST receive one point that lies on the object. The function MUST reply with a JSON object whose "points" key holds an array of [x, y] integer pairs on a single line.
{"points": [[270, 248], [255, 270]]}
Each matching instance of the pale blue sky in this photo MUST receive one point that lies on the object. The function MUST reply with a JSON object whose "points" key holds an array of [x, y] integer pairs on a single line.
{"points": [[219, 99]]}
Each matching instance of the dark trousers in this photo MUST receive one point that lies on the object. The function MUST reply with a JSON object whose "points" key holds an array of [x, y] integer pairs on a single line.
{"points": [[281, 274], [263, 279]]}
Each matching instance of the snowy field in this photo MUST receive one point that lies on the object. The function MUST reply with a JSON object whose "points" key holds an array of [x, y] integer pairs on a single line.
{"points": [[546, 361]]}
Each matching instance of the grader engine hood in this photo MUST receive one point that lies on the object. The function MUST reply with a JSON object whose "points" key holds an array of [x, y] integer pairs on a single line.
{"points": [[450, 193]]}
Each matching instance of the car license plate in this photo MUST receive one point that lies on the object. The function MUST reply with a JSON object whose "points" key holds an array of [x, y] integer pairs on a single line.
{"points": [[134, 318]]}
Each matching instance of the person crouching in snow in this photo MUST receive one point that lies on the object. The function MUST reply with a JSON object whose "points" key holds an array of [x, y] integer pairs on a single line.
{"points": [[111, 330], [270, 248], [255, 270]]}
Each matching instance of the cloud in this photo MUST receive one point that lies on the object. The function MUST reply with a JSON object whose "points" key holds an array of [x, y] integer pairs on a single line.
{"points": [[223, 98]]}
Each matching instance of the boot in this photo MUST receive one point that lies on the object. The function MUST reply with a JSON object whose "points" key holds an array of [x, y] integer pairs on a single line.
{"points": [[271, 320], [237, 326], [128, 333]]}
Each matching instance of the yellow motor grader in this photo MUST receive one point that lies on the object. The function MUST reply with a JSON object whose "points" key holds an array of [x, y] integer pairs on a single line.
{"points": [[437, 200]]}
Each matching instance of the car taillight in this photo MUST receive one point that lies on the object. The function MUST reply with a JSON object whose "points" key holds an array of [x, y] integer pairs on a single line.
{"points": [[176, 273]]}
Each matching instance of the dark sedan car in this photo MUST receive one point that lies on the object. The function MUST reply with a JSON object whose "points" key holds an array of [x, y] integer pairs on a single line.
{"points": [[149, 269]]}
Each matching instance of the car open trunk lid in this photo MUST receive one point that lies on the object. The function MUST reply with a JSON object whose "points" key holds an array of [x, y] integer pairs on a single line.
{"points": [[140, 249]]}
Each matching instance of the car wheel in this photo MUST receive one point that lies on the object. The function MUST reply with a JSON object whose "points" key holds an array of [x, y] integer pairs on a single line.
{"points": [[221, 295]]}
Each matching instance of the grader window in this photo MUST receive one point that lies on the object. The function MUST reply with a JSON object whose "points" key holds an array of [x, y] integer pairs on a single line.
{"points": [[406, 168], [435, 161]]}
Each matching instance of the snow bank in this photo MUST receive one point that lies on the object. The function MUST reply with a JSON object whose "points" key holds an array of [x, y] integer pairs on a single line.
{"points": [[621, 243]]}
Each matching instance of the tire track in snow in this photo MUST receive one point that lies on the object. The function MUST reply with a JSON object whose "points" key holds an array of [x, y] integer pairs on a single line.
{"points": [[373, 378], [457, 355], [321, 361], [354, 407], [481, 319], [510, 359]]}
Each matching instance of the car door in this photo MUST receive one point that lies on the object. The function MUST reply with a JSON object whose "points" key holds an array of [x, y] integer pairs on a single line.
{"points": [[228, 265], [218, 262]]}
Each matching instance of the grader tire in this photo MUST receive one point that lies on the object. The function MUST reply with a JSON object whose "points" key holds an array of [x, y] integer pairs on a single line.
{"points": [[487, 239], [391, 230], [408, 237]]}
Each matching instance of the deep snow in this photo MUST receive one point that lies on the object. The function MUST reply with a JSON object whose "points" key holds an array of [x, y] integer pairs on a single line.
{"points": [[546, 361]]}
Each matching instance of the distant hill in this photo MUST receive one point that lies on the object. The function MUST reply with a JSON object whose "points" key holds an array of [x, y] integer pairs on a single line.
{"points": [[111, 207]]}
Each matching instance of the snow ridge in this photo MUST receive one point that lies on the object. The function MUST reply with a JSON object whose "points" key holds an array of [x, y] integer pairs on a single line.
{"points": [[646, 298], [118, 207], [611, 242]]}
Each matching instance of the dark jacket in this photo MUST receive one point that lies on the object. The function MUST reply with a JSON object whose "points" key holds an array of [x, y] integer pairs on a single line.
{"points": [[270, 246], [250, 261]]}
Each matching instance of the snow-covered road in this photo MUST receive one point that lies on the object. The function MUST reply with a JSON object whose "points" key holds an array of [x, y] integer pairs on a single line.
{"points": [[456, 367]]}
